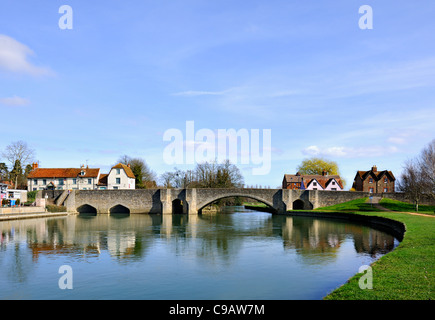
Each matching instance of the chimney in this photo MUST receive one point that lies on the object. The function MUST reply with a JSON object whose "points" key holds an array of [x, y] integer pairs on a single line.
{"points": [[374, 169], [34, 165], [128, 165], [324, 173]]}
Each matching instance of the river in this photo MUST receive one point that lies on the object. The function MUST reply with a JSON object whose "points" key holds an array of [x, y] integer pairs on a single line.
{"points": [[238, 254]]}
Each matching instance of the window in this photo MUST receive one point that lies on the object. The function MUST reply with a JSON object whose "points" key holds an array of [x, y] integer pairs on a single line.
{"points": [[385, 189], [74, 181], [44, 182], [315, 184], [118, 171], [118, 180], [60, 182], [385, 180], [115, 188], [371, 190], [35, 181], [370, 180], [89, 181], [333, 183], [334, 189]]}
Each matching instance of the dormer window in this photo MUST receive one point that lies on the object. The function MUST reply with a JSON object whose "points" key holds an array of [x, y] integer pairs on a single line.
{"points": [[82, 173]]}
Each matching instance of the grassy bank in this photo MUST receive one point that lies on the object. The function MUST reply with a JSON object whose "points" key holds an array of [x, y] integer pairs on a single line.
{"points": [[349, 206], [395, 205], [406, 273]]}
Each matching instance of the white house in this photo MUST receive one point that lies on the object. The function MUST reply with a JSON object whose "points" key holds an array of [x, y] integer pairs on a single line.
{"points": [[62, 178], [84, 178], [120, 177], [312, 182]]}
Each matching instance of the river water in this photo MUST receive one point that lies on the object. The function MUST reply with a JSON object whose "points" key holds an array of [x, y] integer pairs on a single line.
{"points": [[239, 254]]}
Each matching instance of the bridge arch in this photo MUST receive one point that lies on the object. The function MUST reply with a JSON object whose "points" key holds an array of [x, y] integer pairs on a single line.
{"points": [[119, 208], [86, 208], [300, 204], [209, 201]]}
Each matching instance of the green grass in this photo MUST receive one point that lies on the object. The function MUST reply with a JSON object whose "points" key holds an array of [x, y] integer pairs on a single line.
{"points": [[395, 205], [407, 272], [353, 205]]}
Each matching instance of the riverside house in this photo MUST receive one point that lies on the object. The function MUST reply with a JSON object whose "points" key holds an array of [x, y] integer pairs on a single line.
{"points": [[312, 182], [83, 178], [374, 181]]}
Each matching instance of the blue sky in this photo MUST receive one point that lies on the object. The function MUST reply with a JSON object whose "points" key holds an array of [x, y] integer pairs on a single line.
{"points": [[130, 70]]}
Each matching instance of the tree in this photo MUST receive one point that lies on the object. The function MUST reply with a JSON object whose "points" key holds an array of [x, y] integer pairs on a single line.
{"points": [[318, 166], [412, 182], [205, 175], [427, 166], [17, 172], [19, 150], [4, 173], [418, 176]]}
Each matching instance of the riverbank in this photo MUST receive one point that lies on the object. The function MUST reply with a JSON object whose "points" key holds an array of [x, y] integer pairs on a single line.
{"points": [[406, 273], [30, 215]]}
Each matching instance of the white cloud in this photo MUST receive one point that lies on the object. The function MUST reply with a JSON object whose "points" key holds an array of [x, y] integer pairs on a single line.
{"points": [[14, 58], [345, 152], [14, 101]]}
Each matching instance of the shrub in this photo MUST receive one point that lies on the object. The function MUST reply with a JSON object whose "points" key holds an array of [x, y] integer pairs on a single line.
{"points": [[54, 208]]}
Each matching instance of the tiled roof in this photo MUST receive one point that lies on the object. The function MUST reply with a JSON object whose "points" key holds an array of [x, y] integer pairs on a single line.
{"points": [[376, 174], [63, 173], [127, 170], [102, 181], [322, 180]]}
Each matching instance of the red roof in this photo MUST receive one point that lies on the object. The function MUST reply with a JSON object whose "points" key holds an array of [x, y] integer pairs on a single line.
{"points": [[63, 173], [127, 170]]}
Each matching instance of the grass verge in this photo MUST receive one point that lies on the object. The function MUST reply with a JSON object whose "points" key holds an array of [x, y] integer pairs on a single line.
{"points": [[406, 273], [395, 205]]}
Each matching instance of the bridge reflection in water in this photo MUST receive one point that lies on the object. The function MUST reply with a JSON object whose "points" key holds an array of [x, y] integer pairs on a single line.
{"points": [[242, 254], [127, 236]]}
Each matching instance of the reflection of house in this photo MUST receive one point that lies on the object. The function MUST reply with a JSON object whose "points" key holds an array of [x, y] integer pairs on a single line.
{"points": [[312, 182], [84, 178], [374, 181]]}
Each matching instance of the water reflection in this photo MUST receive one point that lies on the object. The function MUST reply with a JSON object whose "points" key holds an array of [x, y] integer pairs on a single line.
{"points": [[129, 237]]}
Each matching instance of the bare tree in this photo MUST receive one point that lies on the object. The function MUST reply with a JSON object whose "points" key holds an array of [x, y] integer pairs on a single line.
{"points": [[19, 150], [426, 163], [412, 182]]}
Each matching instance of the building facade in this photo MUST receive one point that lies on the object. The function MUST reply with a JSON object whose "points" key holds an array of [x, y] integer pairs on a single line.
{"points": [[322, 182], [84, 178], [120, 177], [374, 181]]}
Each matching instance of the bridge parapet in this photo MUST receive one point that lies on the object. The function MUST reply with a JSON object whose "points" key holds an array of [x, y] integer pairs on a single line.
{"points": [[191, 201]]}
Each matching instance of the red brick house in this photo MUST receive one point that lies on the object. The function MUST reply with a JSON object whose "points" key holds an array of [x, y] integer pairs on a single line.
{"points": [[374, 181]]}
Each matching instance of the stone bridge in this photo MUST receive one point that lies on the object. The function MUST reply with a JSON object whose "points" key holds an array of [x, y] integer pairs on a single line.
{"points": [[192, 201]]}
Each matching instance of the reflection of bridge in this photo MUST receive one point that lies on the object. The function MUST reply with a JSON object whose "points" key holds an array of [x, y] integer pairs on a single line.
{"points": [[192, 201]]}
